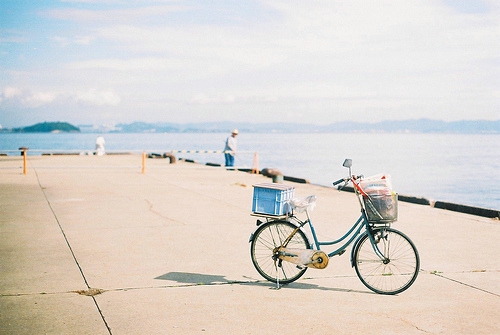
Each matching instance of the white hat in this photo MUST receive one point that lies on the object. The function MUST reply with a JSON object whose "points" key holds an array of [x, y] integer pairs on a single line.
{"points": [[235, 131]]}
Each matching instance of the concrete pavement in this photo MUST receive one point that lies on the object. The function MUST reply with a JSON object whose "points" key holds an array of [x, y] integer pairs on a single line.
{"points": [[89, 245]]}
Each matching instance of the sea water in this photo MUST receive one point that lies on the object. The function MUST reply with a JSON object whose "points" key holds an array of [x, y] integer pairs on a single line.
{"points": [[459, 168]]}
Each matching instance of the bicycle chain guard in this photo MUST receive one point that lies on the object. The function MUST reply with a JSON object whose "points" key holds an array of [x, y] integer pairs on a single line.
{"points": [[311, 258]]}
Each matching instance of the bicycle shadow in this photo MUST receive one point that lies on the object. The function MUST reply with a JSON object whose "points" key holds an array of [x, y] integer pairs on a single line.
{"points": [[195, 279]]}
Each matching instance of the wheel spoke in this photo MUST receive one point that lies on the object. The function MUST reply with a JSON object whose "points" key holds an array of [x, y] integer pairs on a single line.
{"points": [[266, 239], [402, 262]]}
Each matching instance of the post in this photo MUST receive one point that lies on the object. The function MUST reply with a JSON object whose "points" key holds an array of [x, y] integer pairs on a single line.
{"points": [[255, 164], [143, 162], [24, 152]]}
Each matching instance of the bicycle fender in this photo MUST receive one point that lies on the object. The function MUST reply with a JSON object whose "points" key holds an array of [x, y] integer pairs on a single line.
{"points": [[355, 244], [258, 223]]}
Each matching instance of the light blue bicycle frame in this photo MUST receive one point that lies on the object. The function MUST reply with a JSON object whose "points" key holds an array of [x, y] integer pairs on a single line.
{"points": [[353, 233]]}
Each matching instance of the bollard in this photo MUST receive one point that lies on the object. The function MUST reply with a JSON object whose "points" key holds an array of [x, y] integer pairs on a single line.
{"points": [[275, 174], [170, 156], [277, 178], [255, 164], [143, 171], [24, 152]]}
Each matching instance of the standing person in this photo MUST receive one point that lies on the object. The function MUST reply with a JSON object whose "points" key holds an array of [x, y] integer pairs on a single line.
{"points": [[230, 149], [99, 146]]}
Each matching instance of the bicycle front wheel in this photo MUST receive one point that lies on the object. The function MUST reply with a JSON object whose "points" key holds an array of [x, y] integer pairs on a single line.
{"points": [[265, 239], [399, 268]]}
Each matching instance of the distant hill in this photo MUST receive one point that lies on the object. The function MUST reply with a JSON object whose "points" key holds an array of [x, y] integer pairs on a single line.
{"points": [[419, 126], [403, 126], [395, 126], [48, 127]]}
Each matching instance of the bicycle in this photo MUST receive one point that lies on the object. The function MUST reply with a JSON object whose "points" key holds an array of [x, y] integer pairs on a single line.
{"points": [[385, 260]]}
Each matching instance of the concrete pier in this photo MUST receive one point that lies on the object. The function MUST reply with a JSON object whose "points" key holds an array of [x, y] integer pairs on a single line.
{"points": [[90, 245]]}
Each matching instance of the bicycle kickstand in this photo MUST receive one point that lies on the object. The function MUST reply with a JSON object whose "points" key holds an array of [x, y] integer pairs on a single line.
{"points": [[277, 277]]}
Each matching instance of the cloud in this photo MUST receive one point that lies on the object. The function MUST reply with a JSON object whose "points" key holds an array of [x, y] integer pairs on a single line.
{"points": [[381, 37], [84, 40], [37, 99], [79, 40], [98, 98], [61, 40], [10, 92], [134, 64], [269, 59], [130, 13], [15, 97], [203, 99]]}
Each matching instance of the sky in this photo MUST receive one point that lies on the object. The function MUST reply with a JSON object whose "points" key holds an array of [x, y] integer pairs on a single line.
{"points": [[105, 62]]}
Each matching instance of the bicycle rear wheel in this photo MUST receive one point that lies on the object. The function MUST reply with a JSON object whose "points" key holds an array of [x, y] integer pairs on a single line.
{"points": [[397, 271], [269, 236]]}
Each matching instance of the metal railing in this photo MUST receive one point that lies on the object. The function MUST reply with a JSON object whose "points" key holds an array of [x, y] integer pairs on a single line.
{"points": [[144, 155]]}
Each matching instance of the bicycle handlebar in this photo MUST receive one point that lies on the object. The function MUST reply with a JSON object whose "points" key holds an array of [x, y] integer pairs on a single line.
{"points": [[345, 180], [340, 181]]}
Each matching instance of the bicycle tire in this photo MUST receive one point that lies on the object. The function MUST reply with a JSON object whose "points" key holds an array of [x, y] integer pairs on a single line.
{"points": [[269, 236], [400, 269]]}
